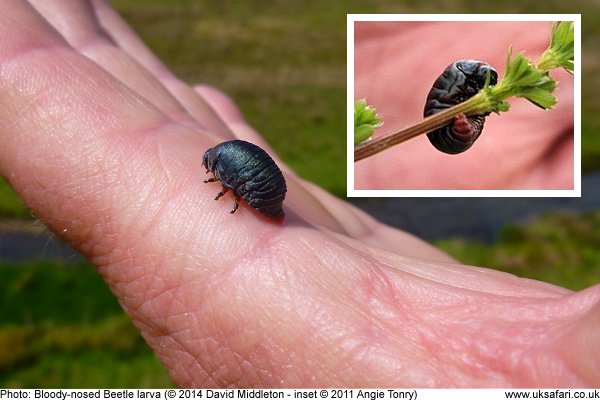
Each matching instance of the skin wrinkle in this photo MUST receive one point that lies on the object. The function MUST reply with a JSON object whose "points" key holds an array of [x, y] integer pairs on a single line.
{"points": [[153, 328], [585, 339], [212, 347], [171, 356], [535, 360], [352, 350], [268, 263], [76, 21], [368, 352], [175, 344], [195, 106], [297, 361], [478, 355], [250, 367], [146, 85], [46, 42], [223, 373], [447, 352], [177, 335], [491, 349], [190, 369], [231, 375], [435, 272], [162, 191], [440, 338], [385, 305], [76, 230], [60, 230], [325, 325], [152, 286], [167, 329]]}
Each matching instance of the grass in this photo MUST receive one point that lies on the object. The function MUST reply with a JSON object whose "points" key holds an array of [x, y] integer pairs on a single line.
{"points": [[557, 248], [28, 294], [92, 370], [11, 204], [62, 327]]}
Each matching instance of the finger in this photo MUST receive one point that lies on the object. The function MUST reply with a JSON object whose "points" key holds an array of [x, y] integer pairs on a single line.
{"points": [[231, 115], [129, 41], [77, 22]]}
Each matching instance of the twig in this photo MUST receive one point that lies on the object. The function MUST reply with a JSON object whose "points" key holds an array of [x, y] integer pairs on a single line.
{"points": [[367, 149]]}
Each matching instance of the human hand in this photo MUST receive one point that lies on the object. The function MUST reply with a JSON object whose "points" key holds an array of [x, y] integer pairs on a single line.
{"points": [[105, 146], [396, 64]]}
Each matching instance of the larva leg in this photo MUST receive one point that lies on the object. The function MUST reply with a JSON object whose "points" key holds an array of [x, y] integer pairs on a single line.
{"points": [[221, 193], [236, 199]]}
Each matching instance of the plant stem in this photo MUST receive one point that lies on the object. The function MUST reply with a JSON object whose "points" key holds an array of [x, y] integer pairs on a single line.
{"points": [[428, 124]]}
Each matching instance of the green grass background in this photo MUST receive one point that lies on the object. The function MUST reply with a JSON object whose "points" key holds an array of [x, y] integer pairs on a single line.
{"points": [[284, 64]]}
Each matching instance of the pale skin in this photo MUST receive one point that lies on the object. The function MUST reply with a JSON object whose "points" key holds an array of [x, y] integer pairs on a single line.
{"points": [[105, 145]]}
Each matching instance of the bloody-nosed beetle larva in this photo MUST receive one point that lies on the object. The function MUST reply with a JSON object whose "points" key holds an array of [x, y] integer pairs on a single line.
{"points": [[460, 81], [250, 173]]}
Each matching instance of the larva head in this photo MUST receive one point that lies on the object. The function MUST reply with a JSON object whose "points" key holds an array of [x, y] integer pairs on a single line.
{"points": [[476, 73], [208, 159]]}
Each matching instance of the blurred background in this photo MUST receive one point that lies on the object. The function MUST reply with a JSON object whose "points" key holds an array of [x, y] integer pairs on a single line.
{"points": [[284, 64]]}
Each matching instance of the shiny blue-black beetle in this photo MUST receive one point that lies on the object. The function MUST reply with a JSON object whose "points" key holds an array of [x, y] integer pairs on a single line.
{"points": [[250, 173], [460, 81]]}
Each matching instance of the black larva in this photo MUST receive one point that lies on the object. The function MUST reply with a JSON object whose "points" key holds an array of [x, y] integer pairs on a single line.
{"points": [[249, 172], [460, 81]]}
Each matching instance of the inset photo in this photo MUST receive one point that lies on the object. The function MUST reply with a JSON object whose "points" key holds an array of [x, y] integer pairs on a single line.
{"points": [[464, 105]]}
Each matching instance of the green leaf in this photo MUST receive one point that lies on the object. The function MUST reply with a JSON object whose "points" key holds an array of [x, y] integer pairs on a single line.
{"points": [[561, 50], [523, 79], [540, 95], [363, 132], [365, 121]]}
